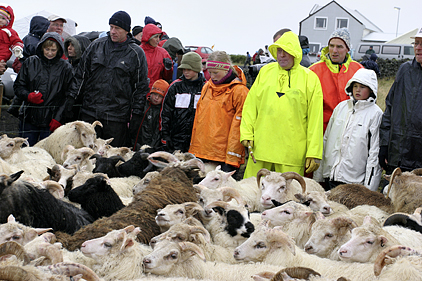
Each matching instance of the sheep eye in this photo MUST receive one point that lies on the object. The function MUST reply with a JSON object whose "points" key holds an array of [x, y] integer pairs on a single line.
{"points": [[180, 212], [180, 237], [173, 256], [215, 179], [78, 158], [84, 135], [108, 245], [328, 235], [10, 144], [16, 237], [260, 245], [286, 212], [370, 242], [146, 181]]}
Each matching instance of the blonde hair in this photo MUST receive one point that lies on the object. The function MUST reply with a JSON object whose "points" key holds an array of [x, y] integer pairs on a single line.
{"points": [[223, 57]]}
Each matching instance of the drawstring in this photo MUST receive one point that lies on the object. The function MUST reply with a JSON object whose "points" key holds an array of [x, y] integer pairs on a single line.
{"points": [[139, 129]]}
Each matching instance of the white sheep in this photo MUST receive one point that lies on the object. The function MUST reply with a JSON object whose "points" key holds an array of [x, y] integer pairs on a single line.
{"points": [[15, 231], [273, 246], [78, 156], [141, 185], [118, 255], [318, 201], [176, 213], [369, 239], [246, 187], [281, 187], [77, 133], [295, 219]]}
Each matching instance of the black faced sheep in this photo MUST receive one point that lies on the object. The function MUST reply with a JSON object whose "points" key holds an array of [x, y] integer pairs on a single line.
{"points": [[38, 208], [96, 197], [172, 186]]}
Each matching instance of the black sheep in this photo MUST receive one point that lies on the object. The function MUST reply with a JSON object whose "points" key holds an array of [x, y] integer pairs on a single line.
{"points": [[37, 207], [96, 197]]}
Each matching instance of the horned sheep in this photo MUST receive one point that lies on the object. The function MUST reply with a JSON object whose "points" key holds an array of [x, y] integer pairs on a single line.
{"points": [[78, 134]]}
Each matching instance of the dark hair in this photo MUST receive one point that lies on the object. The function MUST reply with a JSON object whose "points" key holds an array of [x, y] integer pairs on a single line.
{"points": [[281, 32]]}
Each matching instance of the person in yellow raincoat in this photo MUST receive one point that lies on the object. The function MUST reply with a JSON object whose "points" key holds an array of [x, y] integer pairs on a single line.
{"points": [[215, 132], [282, 116]]}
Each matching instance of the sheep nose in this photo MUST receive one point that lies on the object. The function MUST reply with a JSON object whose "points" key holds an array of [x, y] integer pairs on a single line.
{"points": [[308, 248], [146, 261], [342, 252], [327, 210], [92, 146], [236, 253], [264, 214]]}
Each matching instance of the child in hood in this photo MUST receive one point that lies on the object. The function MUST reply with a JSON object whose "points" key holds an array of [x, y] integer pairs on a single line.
{"points": [[9, 38], [351, 140]]}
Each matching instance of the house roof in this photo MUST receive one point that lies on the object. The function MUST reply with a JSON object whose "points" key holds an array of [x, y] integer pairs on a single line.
{"points": [[405, 38], [353, 13], [378, 37]]}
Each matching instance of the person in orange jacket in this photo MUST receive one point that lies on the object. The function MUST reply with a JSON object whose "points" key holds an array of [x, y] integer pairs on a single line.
{"points": [[216, 128], [334, 70]]}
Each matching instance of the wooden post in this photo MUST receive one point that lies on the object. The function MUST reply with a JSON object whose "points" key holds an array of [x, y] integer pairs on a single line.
{"points": [[1, 94]]}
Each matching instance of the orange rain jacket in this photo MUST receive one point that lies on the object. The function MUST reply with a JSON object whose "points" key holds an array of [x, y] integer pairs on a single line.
{"points": [[333, 78], [216, 129]]}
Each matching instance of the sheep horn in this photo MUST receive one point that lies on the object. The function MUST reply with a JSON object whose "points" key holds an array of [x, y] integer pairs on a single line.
{"points": [[189, 246], [129, 228], [262, 172], [200, 187], [417, 172], [148, 168], [20, 141], [194, 163], [300, 272], [96, 123], [54, 188], [266, 275], [396, 172], [202, 230], [232, 193], [344, 222], [16, 273], [164, 155], [51, 252], [66, 149], [296, 176], [279, 236], [13, 248], [72, 269], [221, 204], [392, 252]]}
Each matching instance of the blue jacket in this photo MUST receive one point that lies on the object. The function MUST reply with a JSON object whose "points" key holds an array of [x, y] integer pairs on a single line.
{"points": [[37, 28]]}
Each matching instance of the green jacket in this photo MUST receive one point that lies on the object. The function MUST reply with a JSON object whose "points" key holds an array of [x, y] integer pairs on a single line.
{"points": [[282, 113]]}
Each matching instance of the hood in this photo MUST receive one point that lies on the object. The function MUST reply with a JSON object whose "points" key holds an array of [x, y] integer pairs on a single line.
{"points": [[148, 31], [56, 37], [173, 46], [373, 57], [38, 26], [365, 77], [9, 9], [79, 42], [289, 42]]}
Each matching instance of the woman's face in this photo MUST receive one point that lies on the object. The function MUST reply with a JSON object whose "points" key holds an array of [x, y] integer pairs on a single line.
{"points": [[71, 50], [154, 40], [217, 74], [50, 52]]}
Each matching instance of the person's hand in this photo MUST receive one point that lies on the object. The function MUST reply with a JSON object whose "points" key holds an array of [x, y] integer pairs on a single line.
{"points": [[68, 108], [382, 156], [35, 97], [247, 143], [2, 67], [54, 124], [168, 64], [18, 52], [311, 164]]}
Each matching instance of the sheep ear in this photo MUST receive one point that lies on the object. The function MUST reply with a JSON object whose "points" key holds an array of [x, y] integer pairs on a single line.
{"points": [[276, 203], [218, 168], [95, 156], [383, 240], [11, 218], [129, 228], [14, 177], [300, 197], [31, 234], [319, 215]]}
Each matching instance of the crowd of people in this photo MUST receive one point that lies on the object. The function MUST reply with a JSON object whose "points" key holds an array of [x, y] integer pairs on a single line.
{"points": [[318, 120]]}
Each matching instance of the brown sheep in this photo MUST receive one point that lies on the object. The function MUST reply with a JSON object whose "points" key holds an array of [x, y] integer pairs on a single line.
{"points": [[405, 189], [352, 195], [172, 186]]}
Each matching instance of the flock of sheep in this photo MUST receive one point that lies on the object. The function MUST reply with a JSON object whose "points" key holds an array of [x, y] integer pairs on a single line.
{"points": [[75, 208]]}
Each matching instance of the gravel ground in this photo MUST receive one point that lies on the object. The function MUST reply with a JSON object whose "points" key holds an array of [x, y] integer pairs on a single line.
{"points": [[8, 123]]}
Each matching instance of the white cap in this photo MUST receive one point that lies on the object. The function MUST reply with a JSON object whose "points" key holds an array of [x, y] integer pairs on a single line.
{"points": [[55, 17], [418, 33]]}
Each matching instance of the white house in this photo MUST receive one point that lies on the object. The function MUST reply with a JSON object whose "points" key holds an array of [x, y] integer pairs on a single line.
{"points": [[323, 20]]}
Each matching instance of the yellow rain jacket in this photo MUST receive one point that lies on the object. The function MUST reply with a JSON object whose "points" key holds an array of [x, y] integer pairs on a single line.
{"points": [[282, 113], [215, 132]]}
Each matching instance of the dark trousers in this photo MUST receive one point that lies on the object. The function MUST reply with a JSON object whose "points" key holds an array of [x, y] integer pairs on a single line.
{"points": [[329, 184], [33, 133], [110, 129]]}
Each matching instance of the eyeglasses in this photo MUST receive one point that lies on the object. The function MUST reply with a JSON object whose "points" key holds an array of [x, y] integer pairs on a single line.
{"points": [[415, 44], [57, 24]]}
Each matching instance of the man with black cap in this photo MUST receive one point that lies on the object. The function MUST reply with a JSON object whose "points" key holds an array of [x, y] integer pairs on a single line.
{"points": [[137, 34], [112, 79]]}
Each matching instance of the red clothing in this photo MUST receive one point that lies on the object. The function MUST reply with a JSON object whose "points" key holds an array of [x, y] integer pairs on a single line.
{"points": [[9, 38], [333, 81], [155, 56]]}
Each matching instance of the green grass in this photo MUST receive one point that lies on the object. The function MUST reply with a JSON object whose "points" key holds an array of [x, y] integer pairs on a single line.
{"points": [[384, 86]]}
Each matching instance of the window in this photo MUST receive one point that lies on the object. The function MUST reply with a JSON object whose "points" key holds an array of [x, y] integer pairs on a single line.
{"points": [[391, 50], [409, 51], [314, 48], [321, 23], [363, 48], [342, 22]]}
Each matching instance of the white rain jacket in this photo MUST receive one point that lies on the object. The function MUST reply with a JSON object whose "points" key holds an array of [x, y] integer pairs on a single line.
{"points": [[351, 141]]}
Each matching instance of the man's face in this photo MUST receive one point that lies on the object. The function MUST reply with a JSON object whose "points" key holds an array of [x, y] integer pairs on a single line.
{"points": [[56, 26], [418, 49], [337, 49], [117, 33], [138, 36], [285, 60]]}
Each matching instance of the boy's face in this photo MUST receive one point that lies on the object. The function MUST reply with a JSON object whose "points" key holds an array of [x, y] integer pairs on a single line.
{"points": [[3, 21], [190, 74], [360, 92], [50, 52], [156, 98]]}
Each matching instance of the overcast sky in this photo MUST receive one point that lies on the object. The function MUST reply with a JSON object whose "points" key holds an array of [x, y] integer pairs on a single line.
{"points": [[231, 26]]}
